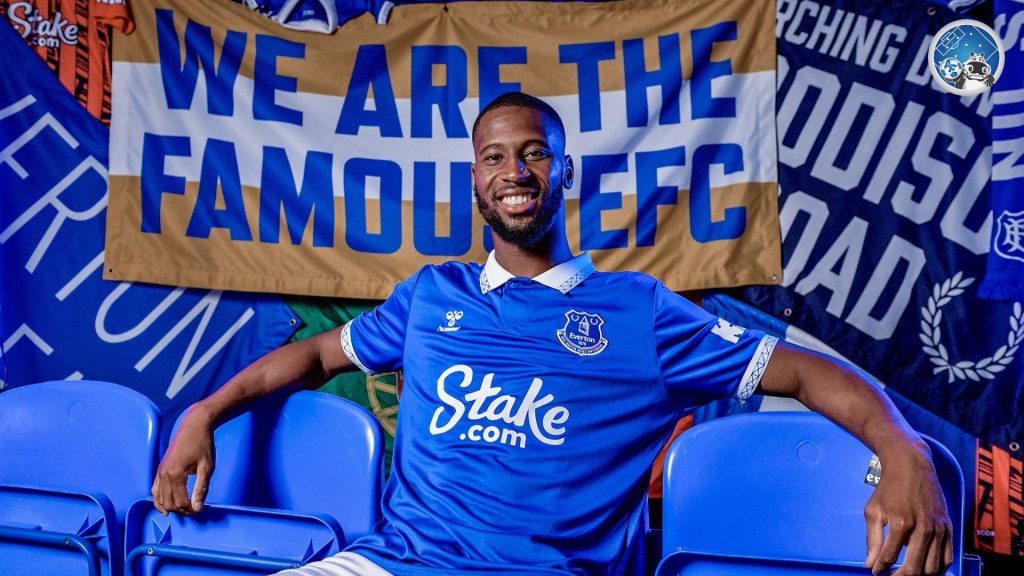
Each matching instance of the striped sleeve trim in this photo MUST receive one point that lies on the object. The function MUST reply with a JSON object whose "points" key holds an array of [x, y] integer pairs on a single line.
{"points": [[755, 369], [350, 351]]}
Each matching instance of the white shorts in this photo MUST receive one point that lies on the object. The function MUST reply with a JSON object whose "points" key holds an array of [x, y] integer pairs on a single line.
{"points": [[341, 564]]}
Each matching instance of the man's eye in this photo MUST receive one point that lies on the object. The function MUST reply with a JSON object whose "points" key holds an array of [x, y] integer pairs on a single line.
{"points": [[538, 154], [492, 158]]}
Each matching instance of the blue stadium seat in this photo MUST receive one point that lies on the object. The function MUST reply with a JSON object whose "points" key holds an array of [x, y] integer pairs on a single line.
{"points": [[779, 493], [296, 479], [74, 456]]}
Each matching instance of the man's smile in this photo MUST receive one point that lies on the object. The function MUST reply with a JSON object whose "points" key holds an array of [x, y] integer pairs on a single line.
{"points": [[518, 201]]}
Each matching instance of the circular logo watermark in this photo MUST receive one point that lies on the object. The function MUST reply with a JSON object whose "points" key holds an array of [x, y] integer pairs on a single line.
{"points": [[966, 57]]}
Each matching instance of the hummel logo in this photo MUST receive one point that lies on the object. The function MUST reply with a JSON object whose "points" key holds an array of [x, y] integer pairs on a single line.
{"points": [[452, 316]]}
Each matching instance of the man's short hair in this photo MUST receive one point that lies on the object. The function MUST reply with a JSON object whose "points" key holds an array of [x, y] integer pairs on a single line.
{"points": [[523, 100]]}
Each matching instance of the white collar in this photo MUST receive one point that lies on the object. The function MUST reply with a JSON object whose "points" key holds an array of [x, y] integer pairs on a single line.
{"points": [[563, 277]]}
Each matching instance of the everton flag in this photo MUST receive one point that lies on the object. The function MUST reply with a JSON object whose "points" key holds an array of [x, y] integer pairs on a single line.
{"points": [[885, 212], [58, 318]]}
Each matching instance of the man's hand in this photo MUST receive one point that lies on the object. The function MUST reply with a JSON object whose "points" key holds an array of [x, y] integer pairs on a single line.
{"points": [[304, 364], [191, 452], [909, 500]]}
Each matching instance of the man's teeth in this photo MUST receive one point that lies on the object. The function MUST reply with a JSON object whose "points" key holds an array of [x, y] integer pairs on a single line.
{"points": [[516, 200]]}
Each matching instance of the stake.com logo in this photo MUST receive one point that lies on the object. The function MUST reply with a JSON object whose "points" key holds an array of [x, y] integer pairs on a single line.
{"points": [[487, 403]]}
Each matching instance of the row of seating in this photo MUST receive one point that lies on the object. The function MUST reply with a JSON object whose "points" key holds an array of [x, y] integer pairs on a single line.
{"points": [[781, 493], [297, 478], [300, 476]]}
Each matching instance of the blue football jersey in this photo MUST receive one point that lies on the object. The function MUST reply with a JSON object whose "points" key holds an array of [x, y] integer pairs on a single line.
{"points": [[532, 410]]}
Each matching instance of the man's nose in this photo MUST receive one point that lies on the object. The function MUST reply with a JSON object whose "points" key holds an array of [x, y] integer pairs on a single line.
{"points": [[517, 170]]}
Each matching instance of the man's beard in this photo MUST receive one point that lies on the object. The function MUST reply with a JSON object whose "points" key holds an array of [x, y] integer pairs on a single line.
{"points": [[534, 231]]}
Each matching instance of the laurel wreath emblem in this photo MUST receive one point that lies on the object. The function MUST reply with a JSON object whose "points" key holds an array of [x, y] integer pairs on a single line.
{"points": [[931, 336]]}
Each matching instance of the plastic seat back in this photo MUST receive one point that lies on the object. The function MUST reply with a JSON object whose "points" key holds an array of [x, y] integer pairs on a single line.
{"points": [[309, 452], [296, 478], [75, 455], [777, 493]]}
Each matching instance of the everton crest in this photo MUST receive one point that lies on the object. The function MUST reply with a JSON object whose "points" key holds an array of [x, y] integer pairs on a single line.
{"points": [[582, 333], [1009, 240]]}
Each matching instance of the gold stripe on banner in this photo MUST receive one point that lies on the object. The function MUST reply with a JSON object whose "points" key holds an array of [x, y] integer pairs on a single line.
{"points": [[676, 258], [310, 271], [331, 271], [218, 109], [472, 25]]}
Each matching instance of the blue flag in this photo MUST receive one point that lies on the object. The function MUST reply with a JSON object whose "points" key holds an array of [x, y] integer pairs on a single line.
{"points": [[1004, 279], [886, 215], [58, 318]]}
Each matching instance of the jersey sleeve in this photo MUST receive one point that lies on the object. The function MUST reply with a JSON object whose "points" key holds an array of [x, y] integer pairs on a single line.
{"points": [[375, 340], [703, 357]]}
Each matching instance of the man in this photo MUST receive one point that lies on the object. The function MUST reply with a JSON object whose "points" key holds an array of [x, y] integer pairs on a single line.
{"points": [[537, 391]]}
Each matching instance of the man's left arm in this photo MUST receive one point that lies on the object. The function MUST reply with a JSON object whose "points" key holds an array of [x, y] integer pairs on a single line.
{"points": [[908, 498]]}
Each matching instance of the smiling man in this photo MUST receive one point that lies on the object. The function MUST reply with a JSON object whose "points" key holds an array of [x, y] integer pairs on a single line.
{"points": [[537, 392], [521, 207]]}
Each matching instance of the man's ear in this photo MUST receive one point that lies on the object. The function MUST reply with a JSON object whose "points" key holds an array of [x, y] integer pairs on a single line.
{"points": [[568, 173]]}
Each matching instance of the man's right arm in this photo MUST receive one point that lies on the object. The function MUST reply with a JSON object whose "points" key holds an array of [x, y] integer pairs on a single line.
{"points": [[306, 364]]}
